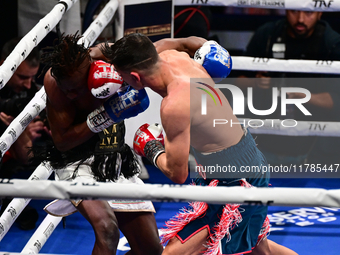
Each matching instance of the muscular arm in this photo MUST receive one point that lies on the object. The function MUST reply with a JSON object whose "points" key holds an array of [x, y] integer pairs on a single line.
{"points": [[189, 45], [61, 114], [176, 122]]}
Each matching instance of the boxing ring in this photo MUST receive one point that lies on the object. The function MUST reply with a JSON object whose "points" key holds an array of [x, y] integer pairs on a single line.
{"points": [[321, 201]]}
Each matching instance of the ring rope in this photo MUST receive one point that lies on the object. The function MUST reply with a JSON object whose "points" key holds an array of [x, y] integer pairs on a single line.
{"points": [[306, 5], [283, 65], [18, 125], [32, 39], [15, 207], [40, 236], [291, 127], [47, 189], [98, 25]]}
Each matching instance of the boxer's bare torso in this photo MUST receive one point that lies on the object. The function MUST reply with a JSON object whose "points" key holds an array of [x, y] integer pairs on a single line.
{"points": [[183, 98]]}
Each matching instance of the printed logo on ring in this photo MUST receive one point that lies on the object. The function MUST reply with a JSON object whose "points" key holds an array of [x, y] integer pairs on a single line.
{"points": [[324, 63], [322, 3]]}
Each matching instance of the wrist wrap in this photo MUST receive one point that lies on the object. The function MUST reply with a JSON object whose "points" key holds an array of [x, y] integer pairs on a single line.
{"points": [[98, 120], [152, 150]]}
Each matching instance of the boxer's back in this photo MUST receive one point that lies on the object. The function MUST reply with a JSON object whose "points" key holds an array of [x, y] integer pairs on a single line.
{"points": [[186, 91]]}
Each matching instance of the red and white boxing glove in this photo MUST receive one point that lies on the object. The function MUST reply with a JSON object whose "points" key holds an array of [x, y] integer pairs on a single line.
{"points": [[103, 81], [149, 142]]}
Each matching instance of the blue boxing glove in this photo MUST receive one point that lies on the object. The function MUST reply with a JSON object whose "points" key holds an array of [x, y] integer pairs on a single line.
{"points": [[126, 103], [215, 59]]}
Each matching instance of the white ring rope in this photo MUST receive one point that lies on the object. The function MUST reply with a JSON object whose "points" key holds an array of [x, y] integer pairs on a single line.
{"points": [[40, 236], [18, 125], [32, 39], [97, 26], [47, 189], [307, 5], [15, 207], [292, 127], [283, 65]]}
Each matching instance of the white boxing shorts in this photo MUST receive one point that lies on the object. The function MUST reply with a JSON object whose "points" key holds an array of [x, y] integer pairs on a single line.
{"points": [[63, 208]]}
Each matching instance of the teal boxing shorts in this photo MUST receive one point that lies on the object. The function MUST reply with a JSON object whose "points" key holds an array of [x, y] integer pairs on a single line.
{"points": [[233, 228]]}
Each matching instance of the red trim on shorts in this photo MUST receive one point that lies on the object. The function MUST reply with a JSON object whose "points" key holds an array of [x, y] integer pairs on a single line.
{"points": [[198, 230], [245, 252], [207, 226]]}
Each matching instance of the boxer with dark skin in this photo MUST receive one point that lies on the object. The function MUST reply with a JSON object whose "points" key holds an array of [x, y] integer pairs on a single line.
{"points": [[69, 101]]}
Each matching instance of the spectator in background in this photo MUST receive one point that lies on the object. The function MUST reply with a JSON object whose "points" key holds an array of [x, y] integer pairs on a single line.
{"points": [[301, 35], [18, 91]]}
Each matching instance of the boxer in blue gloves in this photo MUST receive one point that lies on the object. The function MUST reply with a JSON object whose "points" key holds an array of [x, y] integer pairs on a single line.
{"points": [[181, 81]]}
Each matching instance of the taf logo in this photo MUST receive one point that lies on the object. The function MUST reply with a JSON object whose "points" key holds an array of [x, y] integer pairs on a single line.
{"points": [[204, 97], [322, 3], [199, 1]]}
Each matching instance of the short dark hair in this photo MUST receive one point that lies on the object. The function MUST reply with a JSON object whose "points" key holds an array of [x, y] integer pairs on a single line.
{"points": [[66, 57], [132, 52], [33, 59]]}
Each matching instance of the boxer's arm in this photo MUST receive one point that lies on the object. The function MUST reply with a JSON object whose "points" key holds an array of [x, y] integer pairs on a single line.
{"points": [[189, 45], [61, 114], [66, 136], [176, 122]]}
